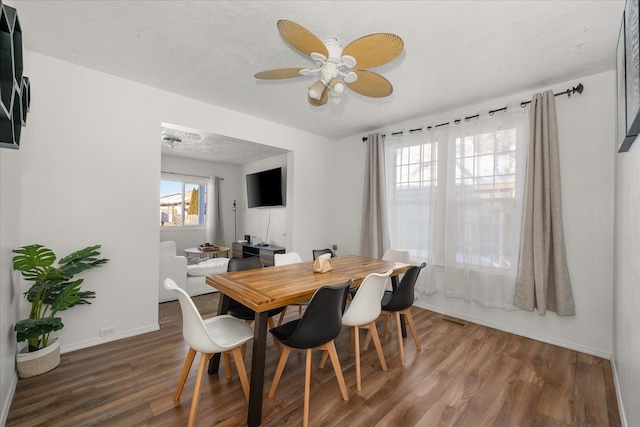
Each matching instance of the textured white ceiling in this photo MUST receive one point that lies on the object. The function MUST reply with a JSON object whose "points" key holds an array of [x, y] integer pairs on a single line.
{"points": [[456, 52], [199, 145]]}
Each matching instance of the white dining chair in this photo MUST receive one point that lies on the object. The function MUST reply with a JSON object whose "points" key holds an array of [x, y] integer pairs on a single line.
{"points": [[361, 313], [220, 334], [396, 255], [286, 258]]}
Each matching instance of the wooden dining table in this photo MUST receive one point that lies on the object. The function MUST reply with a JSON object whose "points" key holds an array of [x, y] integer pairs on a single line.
{"points": [[264, 289]]}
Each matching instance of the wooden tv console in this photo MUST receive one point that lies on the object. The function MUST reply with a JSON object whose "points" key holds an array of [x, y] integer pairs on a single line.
{"points": [[245, 250]]}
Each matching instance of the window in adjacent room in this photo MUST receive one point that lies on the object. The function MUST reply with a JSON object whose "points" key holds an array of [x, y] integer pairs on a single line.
{"points": [[182, 201]]}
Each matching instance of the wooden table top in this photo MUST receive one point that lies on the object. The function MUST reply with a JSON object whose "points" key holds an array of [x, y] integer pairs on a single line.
{"points": [[263, 289]]}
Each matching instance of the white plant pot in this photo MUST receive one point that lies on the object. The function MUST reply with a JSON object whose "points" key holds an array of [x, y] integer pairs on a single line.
{"points": [[31, 364]]}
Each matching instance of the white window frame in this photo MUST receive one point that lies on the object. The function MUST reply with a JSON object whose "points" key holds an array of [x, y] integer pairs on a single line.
{"points": [[188, 179], [473, 178], [440, 168]]}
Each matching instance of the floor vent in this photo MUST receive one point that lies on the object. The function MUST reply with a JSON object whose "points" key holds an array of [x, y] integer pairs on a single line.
{"points": [[454, 322]]}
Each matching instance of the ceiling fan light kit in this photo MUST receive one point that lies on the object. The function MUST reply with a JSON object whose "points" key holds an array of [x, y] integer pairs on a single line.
{"points": [[336, 67], [316, 89]]}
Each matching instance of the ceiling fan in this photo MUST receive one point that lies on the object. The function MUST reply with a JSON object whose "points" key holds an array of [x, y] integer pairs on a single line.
{"points": [[337, 67]]}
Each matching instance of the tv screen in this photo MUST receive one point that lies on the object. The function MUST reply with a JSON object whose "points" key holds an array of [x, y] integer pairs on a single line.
{"points": [[264, 189]]}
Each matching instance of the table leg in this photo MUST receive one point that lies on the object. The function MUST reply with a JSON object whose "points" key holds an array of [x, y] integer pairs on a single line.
{"points": [[256, 384], [223, 308]]}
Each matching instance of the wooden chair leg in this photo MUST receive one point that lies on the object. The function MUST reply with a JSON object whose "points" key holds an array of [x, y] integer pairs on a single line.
{"points": [[373, 332], [367, 341], [204, 358], [331, 347], [353, 342], [185, 373], [275, 341], [400, 342], [242, 371], [323, 360], [281, 318], [227, 365], [307, 389], [412, 326], [385, 320], [279, 369], [356, 339]]}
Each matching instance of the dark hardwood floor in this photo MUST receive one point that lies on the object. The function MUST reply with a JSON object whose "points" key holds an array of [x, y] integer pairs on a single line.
{"points": [[464, 376]]}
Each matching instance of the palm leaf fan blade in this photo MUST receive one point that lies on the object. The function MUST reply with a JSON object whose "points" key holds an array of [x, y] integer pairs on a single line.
{"points": [[301, 38], [371, 84], [374, 50], [279, 73]]}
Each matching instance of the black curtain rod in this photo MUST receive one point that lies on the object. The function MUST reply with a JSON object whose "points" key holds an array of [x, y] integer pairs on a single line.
{"points": [[567, 92], [186, 174]]}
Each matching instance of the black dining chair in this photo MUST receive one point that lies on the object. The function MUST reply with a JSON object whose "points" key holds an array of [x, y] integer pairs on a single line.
{"points": [[318, 252], [399, 302], [317, 329], [241, 311]]}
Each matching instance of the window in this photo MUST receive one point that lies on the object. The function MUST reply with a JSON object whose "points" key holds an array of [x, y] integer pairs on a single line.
{"points": [[416, 166], [453, 195], [454, 200], [182, 202], [412, 165], [485, 190]]}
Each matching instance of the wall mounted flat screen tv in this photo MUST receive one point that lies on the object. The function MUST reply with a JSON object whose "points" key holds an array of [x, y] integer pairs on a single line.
{"points": [[264, 189]]}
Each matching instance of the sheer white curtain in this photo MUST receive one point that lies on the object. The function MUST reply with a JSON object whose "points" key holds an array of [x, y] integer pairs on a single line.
{"points": [[412, 186], [484, 206]]}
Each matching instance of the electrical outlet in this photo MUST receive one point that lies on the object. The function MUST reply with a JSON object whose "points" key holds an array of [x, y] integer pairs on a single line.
{"points": [[108, 332]]}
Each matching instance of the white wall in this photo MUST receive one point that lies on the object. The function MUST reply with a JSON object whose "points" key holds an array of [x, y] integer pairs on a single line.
{"points": [[257, 222], [626, 304], [91, 165], [10, 195], [188, 237], [587, 128]]}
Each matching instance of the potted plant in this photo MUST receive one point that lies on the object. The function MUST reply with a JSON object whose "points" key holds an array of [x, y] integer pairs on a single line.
{"points": [[53, 290]]}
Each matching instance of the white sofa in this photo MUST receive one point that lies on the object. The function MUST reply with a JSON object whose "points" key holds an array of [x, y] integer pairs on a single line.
{"points": [[191, 278]]}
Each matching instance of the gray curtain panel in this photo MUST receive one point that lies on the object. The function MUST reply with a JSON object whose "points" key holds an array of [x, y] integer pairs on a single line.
{"points": [[218, 229], [542, 281], [374, 239]]}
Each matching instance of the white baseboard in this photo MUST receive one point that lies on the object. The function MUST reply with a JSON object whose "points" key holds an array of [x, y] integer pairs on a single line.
{"points": [[623, 418], [6, 403], [517, 331], [97, 341]]}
